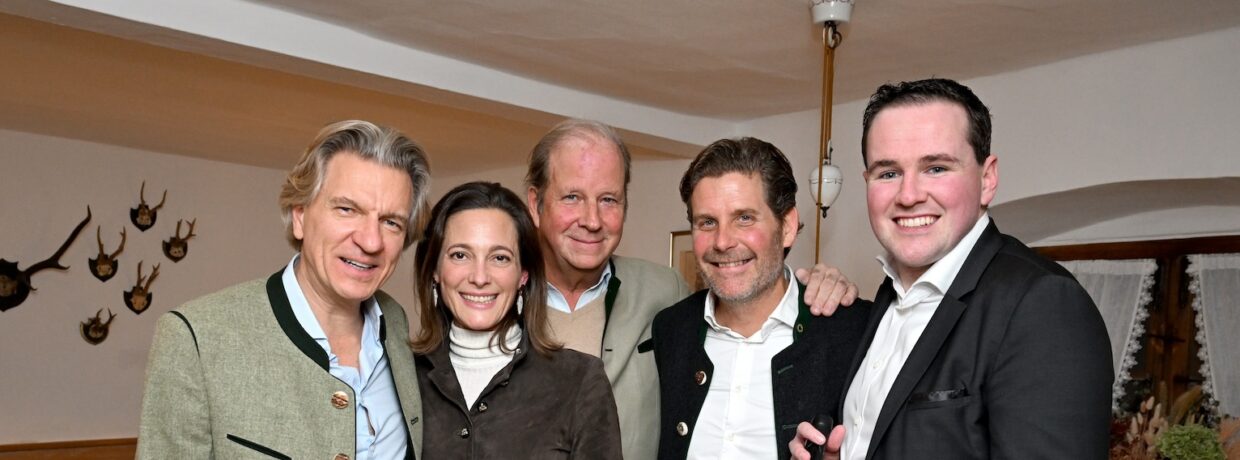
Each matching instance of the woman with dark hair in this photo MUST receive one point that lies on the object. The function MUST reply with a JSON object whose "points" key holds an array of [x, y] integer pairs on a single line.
{"points": [[493, 382]]}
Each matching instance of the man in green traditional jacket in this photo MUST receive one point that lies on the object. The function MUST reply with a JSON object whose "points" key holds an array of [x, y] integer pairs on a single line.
{"points": [[312, 362]]}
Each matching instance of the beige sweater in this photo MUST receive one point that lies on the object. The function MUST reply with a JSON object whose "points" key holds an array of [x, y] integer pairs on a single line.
{"points": [[581, 330]]}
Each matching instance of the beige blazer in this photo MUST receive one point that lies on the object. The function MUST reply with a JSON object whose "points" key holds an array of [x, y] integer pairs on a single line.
{"points": [[233, 375], [638, 290]]}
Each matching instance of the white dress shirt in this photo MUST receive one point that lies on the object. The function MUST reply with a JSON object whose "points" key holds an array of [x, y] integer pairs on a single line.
{"points": [[737, 420], [897, 334]]}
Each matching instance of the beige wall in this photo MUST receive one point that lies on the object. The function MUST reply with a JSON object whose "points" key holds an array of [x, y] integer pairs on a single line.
{"points": [[53, 377]]}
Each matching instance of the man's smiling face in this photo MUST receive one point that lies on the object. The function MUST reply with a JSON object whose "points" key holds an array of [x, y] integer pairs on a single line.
{"points": [[924, 187], [739, 242], [581, 217], [352, 233]]}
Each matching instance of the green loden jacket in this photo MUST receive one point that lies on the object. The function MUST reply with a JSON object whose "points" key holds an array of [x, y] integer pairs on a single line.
{"points": [[233, 375]]}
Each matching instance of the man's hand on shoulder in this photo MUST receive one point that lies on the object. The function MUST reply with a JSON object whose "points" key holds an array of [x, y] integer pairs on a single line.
{"points": [[826, 288]]}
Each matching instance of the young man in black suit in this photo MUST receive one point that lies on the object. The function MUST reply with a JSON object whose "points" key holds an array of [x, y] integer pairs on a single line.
{"points": [[978, 347]]}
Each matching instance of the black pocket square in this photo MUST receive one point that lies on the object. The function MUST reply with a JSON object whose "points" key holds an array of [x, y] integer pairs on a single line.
{"points": [[939, 395]]}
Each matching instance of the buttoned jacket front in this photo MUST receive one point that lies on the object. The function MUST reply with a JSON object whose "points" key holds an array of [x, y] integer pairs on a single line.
{"points": [[638, 291], [807, 377], [557, 406], [233, 375]]}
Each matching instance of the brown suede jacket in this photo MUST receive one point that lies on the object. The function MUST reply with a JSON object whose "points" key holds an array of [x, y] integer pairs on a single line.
{"points": [[537, 407]]}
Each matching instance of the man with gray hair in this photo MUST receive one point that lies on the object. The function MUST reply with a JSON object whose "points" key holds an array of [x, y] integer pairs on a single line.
{"points": [[313, 361], [603, 304]]}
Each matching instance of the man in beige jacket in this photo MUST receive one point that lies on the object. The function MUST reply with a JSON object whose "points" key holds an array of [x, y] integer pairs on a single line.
{"points": [[311, 362]]}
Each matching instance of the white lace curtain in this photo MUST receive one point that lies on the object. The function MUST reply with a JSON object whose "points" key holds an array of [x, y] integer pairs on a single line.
{"points": [[1216, 298], [1121, 290]]}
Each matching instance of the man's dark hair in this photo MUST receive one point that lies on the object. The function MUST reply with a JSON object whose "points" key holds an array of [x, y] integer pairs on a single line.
{"points": [[746, 155], [927, 91]]}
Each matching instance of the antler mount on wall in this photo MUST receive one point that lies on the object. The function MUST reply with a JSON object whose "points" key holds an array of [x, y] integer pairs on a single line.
{"points": [[15, 284]]}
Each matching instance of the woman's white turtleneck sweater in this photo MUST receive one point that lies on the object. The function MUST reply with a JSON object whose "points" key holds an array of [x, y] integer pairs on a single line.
{"points": [[476, 359]]}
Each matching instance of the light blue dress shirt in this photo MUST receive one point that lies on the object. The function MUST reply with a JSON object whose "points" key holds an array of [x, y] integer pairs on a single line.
{"points": [[557, 301], [374, 392]]}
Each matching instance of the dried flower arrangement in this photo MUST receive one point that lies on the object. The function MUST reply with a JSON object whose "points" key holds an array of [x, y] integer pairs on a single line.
{"points": [[1184, 433]]}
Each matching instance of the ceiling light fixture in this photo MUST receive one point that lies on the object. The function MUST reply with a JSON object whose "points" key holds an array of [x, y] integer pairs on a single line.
{"points": [[826, 180]]}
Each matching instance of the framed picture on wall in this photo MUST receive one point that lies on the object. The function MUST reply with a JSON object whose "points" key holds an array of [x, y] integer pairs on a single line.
{"points": [[680, 257]]}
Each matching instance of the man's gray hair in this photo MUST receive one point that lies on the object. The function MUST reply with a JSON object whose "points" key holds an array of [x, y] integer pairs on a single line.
{"points": [[372, 142]]}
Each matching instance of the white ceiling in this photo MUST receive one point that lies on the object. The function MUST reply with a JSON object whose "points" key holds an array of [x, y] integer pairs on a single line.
{"points": [[741, 59], [477, 81]]}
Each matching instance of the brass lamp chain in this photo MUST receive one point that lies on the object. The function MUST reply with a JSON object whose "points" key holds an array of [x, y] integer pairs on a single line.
{"points": [[831, 38]]}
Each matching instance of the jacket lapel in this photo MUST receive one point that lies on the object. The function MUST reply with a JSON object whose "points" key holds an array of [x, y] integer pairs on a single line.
{"points": [[404, 373], [937, 330], [882, 301], [924, 352], [443, 377], [988, 245], [612, 364], [790, 353], [283, 312]]}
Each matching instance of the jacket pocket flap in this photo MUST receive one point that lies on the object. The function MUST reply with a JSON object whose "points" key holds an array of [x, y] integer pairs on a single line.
{"points": [[258, 447]]}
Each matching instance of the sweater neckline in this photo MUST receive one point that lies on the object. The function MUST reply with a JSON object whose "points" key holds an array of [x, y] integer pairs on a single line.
{"points": [[470, 344]]}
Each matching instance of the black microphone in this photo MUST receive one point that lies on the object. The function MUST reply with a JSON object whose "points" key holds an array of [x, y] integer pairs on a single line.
{"points": [[823, 423]]}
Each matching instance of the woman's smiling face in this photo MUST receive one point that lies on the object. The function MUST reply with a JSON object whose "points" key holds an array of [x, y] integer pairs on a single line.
{"points": [[480, 271]]}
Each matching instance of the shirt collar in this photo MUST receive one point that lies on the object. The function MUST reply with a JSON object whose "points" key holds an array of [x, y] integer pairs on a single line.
{"points": [[556, 300], [942, 273], [785, 313], [305, 316]]}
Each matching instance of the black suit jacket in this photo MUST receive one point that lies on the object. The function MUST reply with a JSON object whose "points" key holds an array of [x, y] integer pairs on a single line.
{"points": [[1015, 363], [807, 377]]}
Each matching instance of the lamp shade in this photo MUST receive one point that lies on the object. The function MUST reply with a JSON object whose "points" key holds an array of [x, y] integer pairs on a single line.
{"points": [[832, 183]]}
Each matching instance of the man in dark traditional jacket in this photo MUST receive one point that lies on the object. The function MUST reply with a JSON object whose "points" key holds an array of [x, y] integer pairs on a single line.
{"points": [[743, 361]]}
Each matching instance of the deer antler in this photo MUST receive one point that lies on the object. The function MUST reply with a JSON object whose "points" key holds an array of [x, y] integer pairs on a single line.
{"points": [[151, 279], [161, 202], [119, 248], [191, 230], [54, 260], [142, 197]]}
